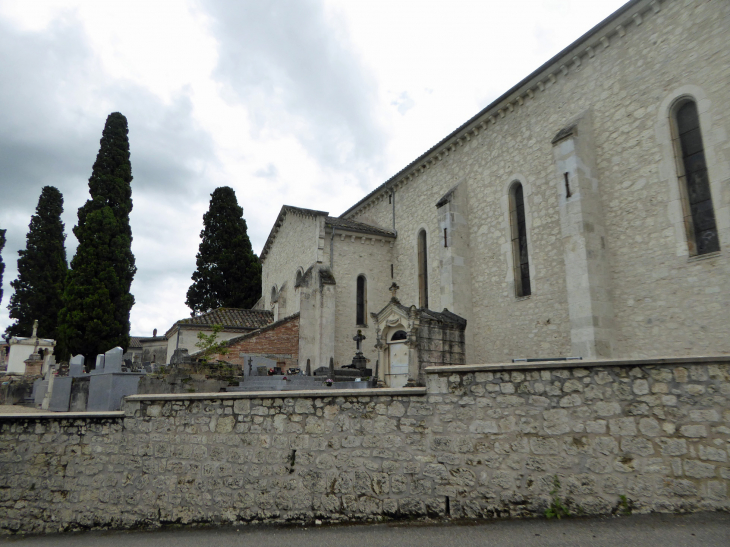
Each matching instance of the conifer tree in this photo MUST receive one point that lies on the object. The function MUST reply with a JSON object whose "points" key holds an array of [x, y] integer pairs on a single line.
{"points": [[97, 301], [228, 272], [41, 270], [2, 264]]}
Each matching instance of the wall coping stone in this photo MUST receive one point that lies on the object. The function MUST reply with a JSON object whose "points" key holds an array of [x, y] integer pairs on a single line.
{"points": [[368, 392], [61, 415], [581, 364]]}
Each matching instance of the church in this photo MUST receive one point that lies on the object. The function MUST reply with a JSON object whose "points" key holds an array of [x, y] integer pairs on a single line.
{"points": [[584, 213]]}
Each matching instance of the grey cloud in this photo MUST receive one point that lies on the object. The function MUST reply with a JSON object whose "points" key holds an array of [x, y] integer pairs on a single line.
{"points": [[269, 173], [54, 99], [296, 73]]}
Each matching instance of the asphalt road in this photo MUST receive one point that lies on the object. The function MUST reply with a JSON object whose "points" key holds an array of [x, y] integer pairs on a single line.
{"points": [[703, 529]]}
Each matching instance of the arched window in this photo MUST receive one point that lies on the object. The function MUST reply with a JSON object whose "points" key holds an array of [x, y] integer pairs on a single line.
{"points": [[519, 241], [299, 278], [699, 214], [399, 335], [362, 301], [422, 269], [273, 294]]}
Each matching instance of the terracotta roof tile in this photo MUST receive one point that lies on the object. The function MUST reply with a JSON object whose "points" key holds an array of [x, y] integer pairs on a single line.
{"points": [[236, 318]]}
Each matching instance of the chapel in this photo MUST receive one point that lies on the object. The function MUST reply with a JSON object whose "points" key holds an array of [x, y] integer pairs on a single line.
{"points": [[583, 213]]}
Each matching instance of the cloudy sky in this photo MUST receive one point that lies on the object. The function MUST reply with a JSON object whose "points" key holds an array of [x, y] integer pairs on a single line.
{"points": [[300, 102]]}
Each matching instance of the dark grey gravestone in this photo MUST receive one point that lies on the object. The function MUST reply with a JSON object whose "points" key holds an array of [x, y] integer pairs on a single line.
{"points": [[61, 396]]}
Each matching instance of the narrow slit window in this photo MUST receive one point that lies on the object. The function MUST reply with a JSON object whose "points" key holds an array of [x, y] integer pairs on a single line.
{"points": [[519, 241], [361, 313], [699, 213], [422, 270], [446, 239]]}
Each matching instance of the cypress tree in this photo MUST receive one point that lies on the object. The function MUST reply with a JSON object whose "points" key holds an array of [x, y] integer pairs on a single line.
{"points": [[228, 272], [41, 270], [97, 302], [2, 264]]}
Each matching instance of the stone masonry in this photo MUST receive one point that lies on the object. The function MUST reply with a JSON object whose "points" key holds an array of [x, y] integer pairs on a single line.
{"points": [[478, 442]]}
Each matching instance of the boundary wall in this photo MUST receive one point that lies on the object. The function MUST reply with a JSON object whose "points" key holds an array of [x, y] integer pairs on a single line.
{"points": [[478, 442]]}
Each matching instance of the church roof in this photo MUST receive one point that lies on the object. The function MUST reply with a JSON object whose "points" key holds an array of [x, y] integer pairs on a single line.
{"points": [[360, 227], [134, 342], [231, 319], [585, 47]]}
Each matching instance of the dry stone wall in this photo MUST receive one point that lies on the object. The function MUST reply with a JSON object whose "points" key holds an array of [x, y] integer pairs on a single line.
{"points": [[478, 442]]}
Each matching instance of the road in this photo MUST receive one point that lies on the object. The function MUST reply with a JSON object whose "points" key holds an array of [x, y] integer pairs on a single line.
{"points": [[703, 529]]}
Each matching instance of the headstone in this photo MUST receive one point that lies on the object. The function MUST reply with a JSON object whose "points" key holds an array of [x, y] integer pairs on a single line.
{"points": [[99, 363], [76, 366], [332, 368], [113, 360], [309, 368]]}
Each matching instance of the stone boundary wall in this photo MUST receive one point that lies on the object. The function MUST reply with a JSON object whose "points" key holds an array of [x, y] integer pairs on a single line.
{"points": [[478, 442]]}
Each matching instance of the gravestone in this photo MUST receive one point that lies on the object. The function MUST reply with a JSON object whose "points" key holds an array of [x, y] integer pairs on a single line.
{"points": [[108, 385], [76, 366], [113, 360]]}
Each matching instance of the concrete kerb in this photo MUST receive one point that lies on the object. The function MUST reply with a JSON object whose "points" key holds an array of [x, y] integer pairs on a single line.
{"points": [[654, 361]]}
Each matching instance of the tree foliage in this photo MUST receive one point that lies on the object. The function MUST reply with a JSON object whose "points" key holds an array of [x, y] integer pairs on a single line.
{"points": [[97, 301], [2, 264], [210, 345], [42, 267], [228, 272]]}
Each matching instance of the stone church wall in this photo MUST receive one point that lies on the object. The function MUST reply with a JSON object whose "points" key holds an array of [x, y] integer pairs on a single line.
{"points": [[356, 254], [477, 442], [296, 246], [663, 301]]}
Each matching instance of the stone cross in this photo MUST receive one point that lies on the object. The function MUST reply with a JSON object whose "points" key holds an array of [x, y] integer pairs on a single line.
{"points": [[358, 340], [250, 365], [393, 289]]}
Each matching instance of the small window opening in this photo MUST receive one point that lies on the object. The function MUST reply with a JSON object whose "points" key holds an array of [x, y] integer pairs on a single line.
{"points": [[390, 198], [422, 269], [391, 271], [399, 335], [567, 185], [699, 213], [361, 313], [519, 241], [446, 239]]}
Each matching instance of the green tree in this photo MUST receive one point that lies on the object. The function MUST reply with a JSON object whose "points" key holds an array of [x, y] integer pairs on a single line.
{"points": [[41, 271], [2, 264], [97, 301], [210, 345], [228, 272]]}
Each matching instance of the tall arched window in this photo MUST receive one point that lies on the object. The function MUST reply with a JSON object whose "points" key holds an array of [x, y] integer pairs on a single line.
{"points": [[273, 294], [362, 301], [699, 214], [519, 241], [422, 269]]}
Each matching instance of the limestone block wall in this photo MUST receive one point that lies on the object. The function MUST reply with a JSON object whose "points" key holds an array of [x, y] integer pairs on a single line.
{"points": [[354, 255], [627, 77], [296, 246], [479, 441]]}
